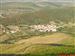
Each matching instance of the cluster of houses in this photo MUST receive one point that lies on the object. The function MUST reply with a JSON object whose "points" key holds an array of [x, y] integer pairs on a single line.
{"points": [[13, 29], [2, 29], [1, 15], [9, 29], [44, 28], [40, 28]]}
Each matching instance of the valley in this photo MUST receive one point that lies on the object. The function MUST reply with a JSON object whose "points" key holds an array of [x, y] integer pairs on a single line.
{"points": [[37, 28]]}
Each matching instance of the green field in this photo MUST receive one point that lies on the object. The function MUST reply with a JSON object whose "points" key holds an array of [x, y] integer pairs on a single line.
{"points": [[41, 45], [28, 43]]}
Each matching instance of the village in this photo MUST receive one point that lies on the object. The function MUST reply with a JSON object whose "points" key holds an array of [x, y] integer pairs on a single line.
{"points": [[40, 28], [44, 28]]}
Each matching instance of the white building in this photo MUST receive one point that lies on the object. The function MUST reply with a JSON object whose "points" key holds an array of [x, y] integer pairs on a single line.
{"points": [[2, 29], [2, 16], [44, 28], [13, 29]]}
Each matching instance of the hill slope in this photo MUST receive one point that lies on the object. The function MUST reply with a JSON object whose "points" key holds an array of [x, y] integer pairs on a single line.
{"points": [[34, 13], [24, 46]]}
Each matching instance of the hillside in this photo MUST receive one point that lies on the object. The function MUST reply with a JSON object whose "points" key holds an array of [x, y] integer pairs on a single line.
{"points": [[34, 13], [37, 28], [56, 15], [50, 41]]}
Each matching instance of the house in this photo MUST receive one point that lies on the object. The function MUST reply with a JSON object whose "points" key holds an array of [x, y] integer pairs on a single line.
{"points": [[44, 28], [13, 28], [2, 29], [1, 15]]}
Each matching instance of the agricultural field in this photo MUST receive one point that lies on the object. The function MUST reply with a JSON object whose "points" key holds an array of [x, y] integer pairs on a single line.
{"points": [[37, 28], [47, 43], [56, 43]]}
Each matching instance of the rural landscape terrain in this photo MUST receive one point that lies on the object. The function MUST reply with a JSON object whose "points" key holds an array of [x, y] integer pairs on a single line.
{"points": [[37, 28]]}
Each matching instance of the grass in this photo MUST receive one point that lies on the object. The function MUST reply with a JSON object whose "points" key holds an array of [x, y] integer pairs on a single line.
{"points": [[69, 41], [43, 50], [30, 49], [46, 49], [64, 15]]}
